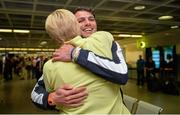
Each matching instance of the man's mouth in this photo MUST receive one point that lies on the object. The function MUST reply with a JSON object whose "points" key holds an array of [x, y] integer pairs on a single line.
{"points": [[88, 30]]}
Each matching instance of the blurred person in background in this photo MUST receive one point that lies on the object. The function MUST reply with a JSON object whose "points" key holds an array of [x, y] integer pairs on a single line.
{"points": [[140, 71]]}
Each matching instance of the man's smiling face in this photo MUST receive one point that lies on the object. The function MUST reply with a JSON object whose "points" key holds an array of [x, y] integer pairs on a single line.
{"points": [[87, 23]]}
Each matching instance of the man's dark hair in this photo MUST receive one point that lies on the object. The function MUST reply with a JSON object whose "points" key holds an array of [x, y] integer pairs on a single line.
{"points": [[84, 9]]}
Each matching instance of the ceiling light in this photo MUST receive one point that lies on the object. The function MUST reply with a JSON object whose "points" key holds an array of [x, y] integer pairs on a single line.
{"points": [[124, 35], [139, 7], [5, 30], [165, 17], [31, 49], [136, 36], [16, 49], [37, 49], [2, 49], [51, 50], [43, 43], [0, 38], [20, 31], [23, 49], [128, 35], [9, 48], [174, 27]]}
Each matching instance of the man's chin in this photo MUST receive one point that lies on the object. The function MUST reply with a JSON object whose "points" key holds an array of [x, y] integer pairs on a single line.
{"points": [[86, 34]]}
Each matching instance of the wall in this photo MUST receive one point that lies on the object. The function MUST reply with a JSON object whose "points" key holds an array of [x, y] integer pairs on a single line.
{"points": [[167, 38], [131, 54], [157, 39]]}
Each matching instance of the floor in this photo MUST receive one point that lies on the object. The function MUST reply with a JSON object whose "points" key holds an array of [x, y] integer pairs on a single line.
{"points": [[169, 103], [15, 97]]}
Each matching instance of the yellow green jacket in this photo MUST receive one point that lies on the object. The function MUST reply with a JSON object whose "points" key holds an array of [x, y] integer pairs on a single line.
{"points": [[103, 96]]}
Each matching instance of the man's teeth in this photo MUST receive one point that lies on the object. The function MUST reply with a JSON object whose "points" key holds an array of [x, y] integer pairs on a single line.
{"points": [[88, 30]]}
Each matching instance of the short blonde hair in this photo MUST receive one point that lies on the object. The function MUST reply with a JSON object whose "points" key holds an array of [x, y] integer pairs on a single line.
{"points": [[62, 25]]}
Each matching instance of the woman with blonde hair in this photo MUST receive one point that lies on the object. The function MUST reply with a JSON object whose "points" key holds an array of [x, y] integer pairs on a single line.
{"points": [[62, 26]]}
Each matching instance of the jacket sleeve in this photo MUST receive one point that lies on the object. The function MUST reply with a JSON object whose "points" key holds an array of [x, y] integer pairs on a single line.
{"points": [[39, 95], [114, 70]]}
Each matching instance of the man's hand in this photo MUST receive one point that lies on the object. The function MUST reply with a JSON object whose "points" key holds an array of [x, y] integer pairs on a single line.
{"points": [[63, 53], [68, 96]]}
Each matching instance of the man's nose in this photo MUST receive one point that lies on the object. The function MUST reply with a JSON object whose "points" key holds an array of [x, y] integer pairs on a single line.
{"points": [[87, 22]]}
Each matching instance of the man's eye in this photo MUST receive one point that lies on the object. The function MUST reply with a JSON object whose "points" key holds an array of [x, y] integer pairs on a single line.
{"points": [[91, 19], [80, 21]]}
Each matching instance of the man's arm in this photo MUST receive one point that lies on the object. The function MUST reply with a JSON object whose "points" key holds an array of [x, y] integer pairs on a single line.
{"points": [[114, 70], [65, 95], [39, 95]]}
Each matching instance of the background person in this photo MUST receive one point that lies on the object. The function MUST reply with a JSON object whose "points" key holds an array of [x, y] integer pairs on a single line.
{"points": [[152, 80], [140, 71], [150, 68], [163, 64], [169, 68]]}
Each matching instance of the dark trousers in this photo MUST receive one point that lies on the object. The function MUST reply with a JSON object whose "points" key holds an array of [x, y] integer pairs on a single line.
{"points": [[140, 77]]}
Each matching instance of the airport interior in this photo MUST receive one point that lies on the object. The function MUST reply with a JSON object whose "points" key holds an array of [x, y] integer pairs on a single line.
{"points": [[149, 28]]}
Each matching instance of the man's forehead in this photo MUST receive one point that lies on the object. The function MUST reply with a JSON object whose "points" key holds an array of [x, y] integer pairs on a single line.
{"points": [[82, 16], [83, 13]]}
